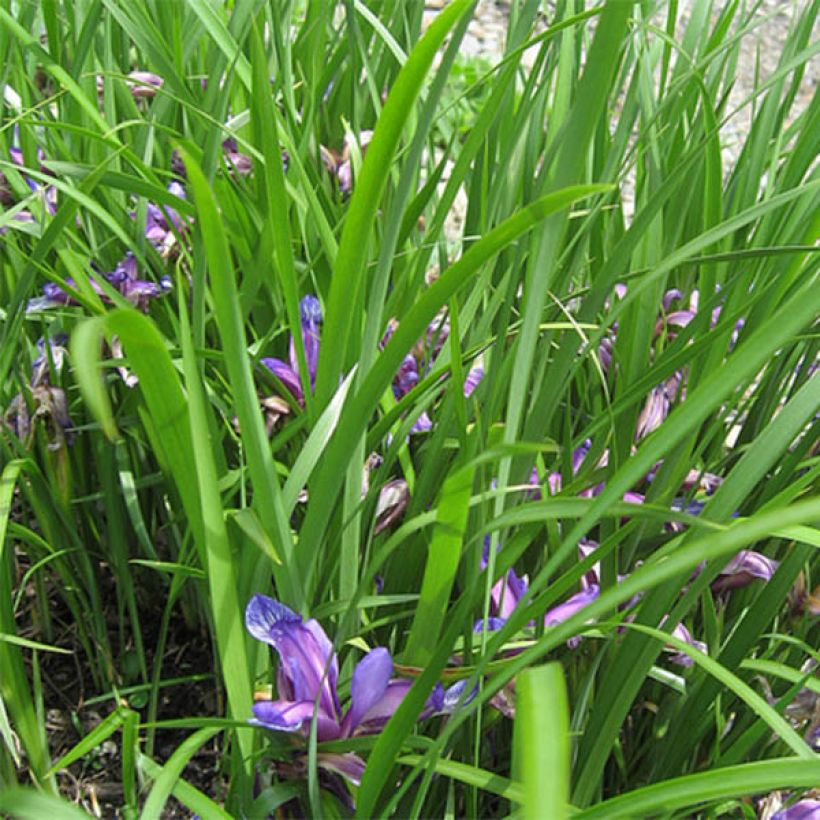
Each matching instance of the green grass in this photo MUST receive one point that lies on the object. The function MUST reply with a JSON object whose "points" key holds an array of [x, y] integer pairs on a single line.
{"points": [[150, 521]]}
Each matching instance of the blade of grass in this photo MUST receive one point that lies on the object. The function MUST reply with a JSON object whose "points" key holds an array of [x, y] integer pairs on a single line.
{"points": [[167, 778], [691, 790], [542, 744], [268, 494], [227, 609], [442, 563]]}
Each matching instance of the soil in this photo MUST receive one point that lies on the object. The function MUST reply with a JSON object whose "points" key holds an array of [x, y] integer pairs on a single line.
{"points": [[72, 711]]}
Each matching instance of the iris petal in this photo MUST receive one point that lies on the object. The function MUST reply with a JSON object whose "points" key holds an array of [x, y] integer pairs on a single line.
{"points": [[371, 678], [563, 612], [287, 375], [376, 717], [304, 652], [294, 716]]}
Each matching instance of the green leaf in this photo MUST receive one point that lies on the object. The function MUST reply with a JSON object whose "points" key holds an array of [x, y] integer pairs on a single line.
{"points": [[167, 778], [268, 494], [249, 524], [542, 742], [26, 804], [442, 563], [92, 740], [694, 789], [472, 776]]}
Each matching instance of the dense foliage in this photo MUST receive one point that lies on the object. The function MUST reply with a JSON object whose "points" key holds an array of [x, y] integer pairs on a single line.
{"points": [[525, 502]]}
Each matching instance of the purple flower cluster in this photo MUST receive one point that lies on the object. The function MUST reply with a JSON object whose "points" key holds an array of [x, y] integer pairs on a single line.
{"points": [[124, 278], [420, 361], [673, 318], [510, 590], [162, 226]]}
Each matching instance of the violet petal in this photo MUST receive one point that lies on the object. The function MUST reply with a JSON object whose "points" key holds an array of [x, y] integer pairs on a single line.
{"points": [[563, 612], [310, 316], [348, 765], [370, 680], [304, 652], [683, 634], [507, 593], [472, 381], [376, 718], [294, 716], [492, 624], [802, 810], [285, 373]]}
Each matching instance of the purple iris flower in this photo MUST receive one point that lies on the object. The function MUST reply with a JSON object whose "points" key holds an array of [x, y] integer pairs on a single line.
{"points": [[419, 362], [505, 594], [681, 317], [160, 223], [508, 592], [56, 353], [307, 679], [658, 404], [49, 402], [573, 604], [241, 163], [554, 480], [344, 170], [394, 496], [407, 377], [123, 278], [681, 658], [744, 568], [473, 379], [339, 164], [605, 349], [802, 810], [144, 84], [310, 314]]}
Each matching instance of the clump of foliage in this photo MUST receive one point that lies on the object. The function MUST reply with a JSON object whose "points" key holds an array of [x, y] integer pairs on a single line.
{"points": [[529, 520]]}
